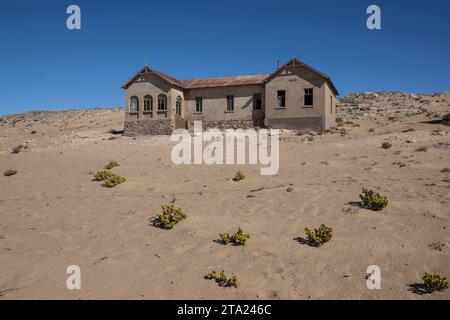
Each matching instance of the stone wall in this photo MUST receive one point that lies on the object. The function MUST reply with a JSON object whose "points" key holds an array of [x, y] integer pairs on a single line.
{"points": [[311, 123], [229, 124], [149, 127]]}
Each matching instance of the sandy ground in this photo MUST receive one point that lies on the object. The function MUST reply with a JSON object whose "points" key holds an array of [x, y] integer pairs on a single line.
{"points": [[53, 215]]}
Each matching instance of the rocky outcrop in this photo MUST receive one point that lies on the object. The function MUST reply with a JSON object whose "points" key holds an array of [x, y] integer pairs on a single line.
{"points": [[446, 119]]}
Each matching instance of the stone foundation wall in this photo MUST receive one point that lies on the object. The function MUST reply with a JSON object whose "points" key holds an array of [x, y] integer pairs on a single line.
{"points": [[230, 124], [149, 127], [310, 123]]}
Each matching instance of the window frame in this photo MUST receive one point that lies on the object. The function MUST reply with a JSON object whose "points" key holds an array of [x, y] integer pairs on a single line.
{"points": [[136, 109], [306, 95], [148, 103], [162, 106], [178, 105], [198, 104], [230, 98], [283, 104]]}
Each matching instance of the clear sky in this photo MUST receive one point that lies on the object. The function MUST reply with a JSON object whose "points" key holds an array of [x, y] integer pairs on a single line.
{"points": [[43, 65]]}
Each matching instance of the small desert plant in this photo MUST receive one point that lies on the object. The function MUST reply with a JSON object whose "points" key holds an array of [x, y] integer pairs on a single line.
{"points": [[319, 236], [111, 164], [222, 279], [386, 145], [18, 148], [373, 200], [113, 180], [339, 120], [169, 216], [9, 172], [110, 179], [238, 176], [434, 282], [102, 175], [239, 238]]}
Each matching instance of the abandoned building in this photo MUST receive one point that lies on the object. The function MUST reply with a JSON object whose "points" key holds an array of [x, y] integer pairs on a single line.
{"points": [[294, 96]]}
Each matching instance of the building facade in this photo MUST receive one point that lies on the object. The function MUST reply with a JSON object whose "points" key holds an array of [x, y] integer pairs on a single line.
{"points": [[295, 96]]}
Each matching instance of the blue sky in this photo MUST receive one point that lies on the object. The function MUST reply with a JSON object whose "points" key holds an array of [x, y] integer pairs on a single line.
{"points": [[43, 65]]}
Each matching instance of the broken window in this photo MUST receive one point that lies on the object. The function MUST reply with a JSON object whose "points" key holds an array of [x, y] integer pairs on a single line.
{"points": [[230, 103], [162, 102], [281, 99], [148, 103], [134, 104], [308, 97], [199, 104], [178, 106]]}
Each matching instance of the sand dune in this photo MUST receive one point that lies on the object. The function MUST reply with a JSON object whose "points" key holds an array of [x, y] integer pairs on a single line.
{"points": [[53, 215]]}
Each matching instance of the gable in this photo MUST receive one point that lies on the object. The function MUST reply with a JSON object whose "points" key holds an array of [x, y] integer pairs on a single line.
{"points": [[298, 74], [304, 71], [144, 75]]}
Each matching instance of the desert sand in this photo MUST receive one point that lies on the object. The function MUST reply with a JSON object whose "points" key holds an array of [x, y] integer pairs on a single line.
{"points": [[53, 215]]}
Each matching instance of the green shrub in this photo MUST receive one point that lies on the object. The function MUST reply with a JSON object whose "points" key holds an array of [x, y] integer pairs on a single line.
{"points": [[102, 175], [434, 282], [211, 275], [222, 279], [9, 172], [238, 176], [225, 237], [339, 120], [111, 164], [239, 238], [113, 180], [169, 216], [319, 236], [386, 145], [373, 200], [109, 179]]}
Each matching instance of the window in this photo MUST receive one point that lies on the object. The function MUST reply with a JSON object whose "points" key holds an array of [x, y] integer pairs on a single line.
{"points": [[162, 102], [308, 97], [281, 99], [134, 104], [148, 103], [230, 103], [199, 104], [331, 104], [178, 106], [257, 101]]}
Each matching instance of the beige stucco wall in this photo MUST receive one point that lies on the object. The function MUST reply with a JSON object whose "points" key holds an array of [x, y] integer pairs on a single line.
{"points": [[330, 108], [215, 103], [293, 81], [153, 86]]}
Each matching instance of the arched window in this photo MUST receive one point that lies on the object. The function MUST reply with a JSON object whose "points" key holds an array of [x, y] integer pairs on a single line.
{"points": [[148, 103], [178, 105], [162, 102], [134, 104]]}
